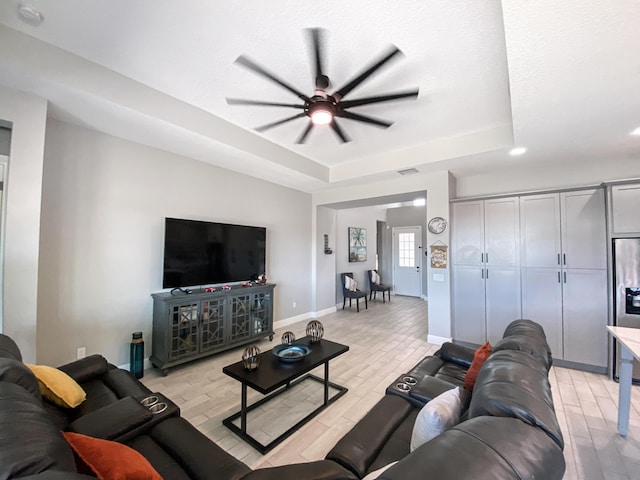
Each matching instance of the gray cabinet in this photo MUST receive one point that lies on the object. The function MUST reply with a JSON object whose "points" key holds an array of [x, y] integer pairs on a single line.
{"points": [[486, 270], [187, 327], [563, 244], [625, 201], [539, 256]]}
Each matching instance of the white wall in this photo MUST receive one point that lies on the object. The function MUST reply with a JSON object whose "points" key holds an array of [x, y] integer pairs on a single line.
{"points": [[440, 187], [27, 115], [548, 177], [325, 274], [104, 203], [410, 217], [366, 218]]}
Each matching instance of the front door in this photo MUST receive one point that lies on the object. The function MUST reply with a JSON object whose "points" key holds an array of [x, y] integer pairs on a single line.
{"points": [[407, 278]]}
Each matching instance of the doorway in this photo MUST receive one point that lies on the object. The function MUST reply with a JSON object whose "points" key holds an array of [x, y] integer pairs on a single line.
{"points": [[407, 277]]}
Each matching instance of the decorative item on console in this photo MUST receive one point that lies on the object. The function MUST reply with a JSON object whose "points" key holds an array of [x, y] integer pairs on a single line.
{"points": [[262, 279], [288, 338], [315, 331], [251, 357]]}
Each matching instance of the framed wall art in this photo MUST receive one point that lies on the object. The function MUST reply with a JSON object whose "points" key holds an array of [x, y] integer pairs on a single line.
{"points": [[357, 244]]}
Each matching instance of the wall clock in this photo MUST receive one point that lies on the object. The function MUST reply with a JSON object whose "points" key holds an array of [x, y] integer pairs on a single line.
{"points": [[437, 225]]}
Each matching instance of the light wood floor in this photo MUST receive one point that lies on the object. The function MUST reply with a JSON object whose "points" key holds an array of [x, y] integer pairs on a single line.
{"points": [[385, 341]]}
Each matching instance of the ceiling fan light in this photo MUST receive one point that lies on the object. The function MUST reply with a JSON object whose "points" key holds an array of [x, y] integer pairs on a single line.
{"points": [[321, 117]]}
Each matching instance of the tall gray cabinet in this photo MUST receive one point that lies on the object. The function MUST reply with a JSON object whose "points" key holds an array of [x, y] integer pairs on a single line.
{"points": [[187, 327], [486, 268], [544, 258]]}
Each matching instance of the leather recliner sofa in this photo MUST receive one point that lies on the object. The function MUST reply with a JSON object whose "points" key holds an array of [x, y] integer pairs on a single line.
{"points": [[33, 447], [509, 430]]}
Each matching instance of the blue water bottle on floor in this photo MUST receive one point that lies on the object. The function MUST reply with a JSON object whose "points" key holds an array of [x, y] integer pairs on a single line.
{"points": [[137, 355]]}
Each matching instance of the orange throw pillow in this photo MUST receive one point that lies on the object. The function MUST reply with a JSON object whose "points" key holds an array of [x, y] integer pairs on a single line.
{"points": [[481, 354], [111, 460]]}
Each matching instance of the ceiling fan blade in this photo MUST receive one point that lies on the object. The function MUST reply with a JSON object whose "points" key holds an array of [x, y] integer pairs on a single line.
{"points": [[379, 98], [339, 132], [302, 138], [316, 36], [363, 118], [251, 65], [342, 92], [242, 101], [280, 122]]}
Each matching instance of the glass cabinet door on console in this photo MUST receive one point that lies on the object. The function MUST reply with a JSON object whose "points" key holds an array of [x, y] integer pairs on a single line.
{"points": [[240, 324], [262, 314], [184, 330], [213, 330]]}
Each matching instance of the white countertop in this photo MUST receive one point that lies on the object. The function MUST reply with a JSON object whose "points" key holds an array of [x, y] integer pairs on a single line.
{"points": [[629, 337]]}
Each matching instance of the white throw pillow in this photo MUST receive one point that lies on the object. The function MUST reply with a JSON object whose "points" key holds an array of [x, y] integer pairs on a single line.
{"points": [[376, 278], [350, 283], [376, 473], [440, 414]]}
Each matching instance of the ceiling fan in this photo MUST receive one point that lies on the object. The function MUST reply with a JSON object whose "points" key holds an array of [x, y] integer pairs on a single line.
{"points": [[322, 107]]}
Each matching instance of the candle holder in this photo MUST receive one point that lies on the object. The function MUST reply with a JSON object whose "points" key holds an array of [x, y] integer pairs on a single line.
{"points": [[288, 338], [251, 357], [315, 331]]}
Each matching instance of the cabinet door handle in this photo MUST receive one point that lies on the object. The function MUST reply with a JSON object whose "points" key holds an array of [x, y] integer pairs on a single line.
{"points": [[487, 274], [482, 258], [559, 278], [558, 261], [482, 273], [564, 258], [486, 257], [565, 277]]}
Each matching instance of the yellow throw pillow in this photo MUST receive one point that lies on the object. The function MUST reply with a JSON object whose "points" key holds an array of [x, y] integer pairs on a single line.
{"points": [[58, 387]]}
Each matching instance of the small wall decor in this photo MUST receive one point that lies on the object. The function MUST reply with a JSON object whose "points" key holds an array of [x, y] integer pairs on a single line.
{"points": [[357, 244], [439, 255], [315, 331], [327, 250], [251, 357]]}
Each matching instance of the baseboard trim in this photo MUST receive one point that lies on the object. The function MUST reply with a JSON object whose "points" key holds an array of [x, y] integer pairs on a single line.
{"points": [[285, 322], [436, 340], [326, 311], [147, 365], [579, 366]]}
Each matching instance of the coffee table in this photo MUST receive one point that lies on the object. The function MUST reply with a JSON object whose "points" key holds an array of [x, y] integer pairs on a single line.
{"points": [[274, 377]]}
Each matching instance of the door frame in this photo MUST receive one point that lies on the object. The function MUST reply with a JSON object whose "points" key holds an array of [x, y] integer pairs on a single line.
{"points": [[419, 251]]}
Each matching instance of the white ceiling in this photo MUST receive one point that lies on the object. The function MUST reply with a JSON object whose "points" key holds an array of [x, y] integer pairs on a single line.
{"points": [[561, 78]]}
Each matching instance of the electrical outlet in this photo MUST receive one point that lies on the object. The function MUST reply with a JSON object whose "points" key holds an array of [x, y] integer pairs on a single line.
{"points": [[81, 352], [293, 304]]}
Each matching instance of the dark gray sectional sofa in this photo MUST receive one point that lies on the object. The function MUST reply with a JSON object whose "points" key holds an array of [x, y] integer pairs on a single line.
{"points": [[509, 430]]}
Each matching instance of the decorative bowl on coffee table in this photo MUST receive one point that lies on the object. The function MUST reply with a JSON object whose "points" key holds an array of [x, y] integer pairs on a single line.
{"points": [[291, 353]]}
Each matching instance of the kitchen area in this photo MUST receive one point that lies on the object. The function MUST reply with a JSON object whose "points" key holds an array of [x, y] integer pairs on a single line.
{"points": [[623, 202]]}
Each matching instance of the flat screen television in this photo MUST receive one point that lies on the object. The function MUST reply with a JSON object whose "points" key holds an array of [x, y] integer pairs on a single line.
{"points": [[203, 253]]}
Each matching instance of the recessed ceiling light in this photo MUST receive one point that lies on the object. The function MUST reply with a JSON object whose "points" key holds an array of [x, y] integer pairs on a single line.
{"points": [[636, 131], [418, 202], [514, 152], [30, 15]]}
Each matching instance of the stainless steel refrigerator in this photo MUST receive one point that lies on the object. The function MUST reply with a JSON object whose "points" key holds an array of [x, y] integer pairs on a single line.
{"points": [[626, 304]]}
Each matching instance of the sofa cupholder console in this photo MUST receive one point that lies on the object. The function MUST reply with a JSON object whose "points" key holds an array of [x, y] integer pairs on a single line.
{"points": [[160, 406], [418, 390]]}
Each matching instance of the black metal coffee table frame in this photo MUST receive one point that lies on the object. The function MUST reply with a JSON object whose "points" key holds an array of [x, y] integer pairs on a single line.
{"points": [[274, 377]]}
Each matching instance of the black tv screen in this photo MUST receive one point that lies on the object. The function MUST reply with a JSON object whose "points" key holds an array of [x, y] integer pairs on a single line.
{"points": [[203, 253]]}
